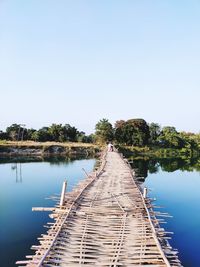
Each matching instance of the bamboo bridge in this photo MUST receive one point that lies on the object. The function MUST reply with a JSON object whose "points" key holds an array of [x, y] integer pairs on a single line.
{"points": [[105, 221]]}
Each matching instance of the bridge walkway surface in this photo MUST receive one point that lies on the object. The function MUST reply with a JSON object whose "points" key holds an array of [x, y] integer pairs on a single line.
{"points": [[105, 221]]}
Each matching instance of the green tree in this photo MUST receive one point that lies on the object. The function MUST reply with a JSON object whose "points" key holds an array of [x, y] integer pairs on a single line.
{"points": [[169, 130], [42, 135], [133, 132], [30, 134], [154, 131], [104, 131], [190, 140], [170, 138], [13, 132], [56, 132], [70, 133], [83, 138], [3, 135], [119, 131]]}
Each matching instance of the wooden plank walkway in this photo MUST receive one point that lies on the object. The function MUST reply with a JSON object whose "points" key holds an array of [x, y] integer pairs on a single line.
{"points": [[104, 222]]}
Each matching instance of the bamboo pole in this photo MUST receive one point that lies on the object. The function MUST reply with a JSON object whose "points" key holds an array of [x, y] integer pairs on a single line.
{"points": [[62, 198]]}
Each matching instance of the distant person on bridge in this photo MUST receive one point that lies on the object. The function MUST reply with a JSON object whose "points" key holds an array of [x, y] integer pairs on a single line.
{"points": [[110, 147]]}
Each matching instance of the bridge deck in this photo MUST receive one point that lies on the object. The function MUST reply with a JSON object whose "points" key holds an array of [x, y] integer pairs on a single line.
{"points": [[106, 224]]}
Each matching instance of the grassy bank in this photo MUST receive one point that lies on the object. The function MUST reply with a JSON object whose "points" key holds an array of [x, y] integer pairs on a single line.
{"points": [[46, 148]]}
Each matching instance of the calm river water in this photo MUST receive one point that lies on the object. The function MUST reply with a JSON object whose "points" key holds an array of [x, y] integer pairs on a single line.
{"points": [[175, 184], [26, 185]]}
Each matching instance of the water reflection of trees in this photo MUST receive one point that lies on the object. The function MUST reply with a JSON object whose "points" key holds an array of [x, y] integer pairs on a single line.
{"points": [[53, 160], [143, 166]]}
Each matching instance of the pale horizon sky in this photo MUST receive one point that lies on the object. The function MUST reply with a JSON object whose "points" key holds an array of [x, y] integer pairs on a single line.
{"points": [[80, 61]]}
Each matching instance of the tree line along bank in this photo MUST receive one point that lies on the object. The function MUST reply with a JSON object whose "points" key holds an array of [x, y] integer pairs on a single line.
{"points": [[133, 132]]}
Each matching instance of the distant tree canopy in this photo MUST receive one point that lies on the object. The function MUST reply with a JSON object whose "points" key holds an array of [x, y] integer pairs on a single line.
{"points": [[13, 132], [136, 132], [55, 132], [154, 131], [133, 132], [104, 131], [170, 138]]}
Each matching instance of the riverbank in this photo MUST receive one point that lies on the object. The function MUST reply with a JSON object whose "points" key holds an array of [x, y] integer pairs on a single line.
{"points": [[156, 152], [29, 148]]}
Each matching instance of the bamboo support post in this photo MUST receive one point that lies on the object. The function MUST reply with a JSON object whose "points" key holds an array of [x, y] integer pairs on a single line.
{"points": [[62, 198], [145, 193]]}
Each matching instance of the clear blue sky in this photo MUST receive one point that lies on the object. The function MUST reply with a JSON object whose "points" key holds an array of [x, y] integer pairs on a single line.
{"points": [[82, 60]]}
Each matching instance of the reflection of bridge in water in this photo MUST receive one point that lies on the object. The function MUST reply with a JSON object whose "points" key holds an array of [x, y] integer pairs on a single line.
{"points": [[105, 221]]}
